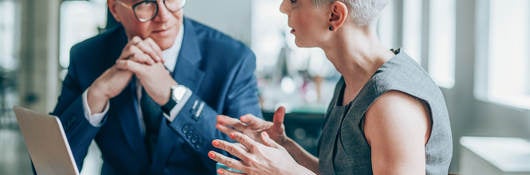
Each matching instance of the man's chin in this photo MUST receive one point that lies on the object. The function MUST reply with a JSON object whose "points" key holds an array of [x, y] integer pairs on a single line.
{"points": [[164, 43]]}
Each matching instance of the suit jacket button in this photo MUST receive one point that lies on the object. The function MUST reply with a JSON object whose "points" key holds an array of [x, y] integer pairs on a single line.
{"points": [[186, 129], [194, 139]]}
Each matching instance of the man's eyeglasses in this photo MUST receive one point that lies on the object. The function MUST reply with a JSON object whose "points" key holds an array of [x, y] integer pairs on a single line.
{"points": [[148, 9]]}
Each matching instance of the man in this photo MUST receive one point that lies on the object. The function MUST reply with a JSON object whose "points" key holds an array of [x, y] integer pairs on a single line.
{"points": [[148, 90]]}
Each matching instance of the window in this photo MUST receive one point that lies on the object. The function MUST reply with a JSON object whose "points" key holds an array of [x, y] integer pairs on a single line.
{"points": [[298, 78], [9, 35], [386, 26], [412, 28], [505, 68], [9, 54], [442, 42], [79, 20]]}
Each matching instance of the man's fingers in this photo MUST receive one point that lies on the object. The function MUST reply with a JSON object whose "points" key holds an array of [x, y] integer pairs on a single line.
{"points": [[141, 58], [147, 49], [155, 48], [134, 40], [255, 123], [137, 45], [134, 51], [132, 66]]}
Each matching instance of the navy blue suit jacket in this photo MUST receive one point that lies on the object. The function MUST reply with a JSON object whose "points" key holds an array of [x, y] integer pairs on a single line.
{"points": [[216, 68]]}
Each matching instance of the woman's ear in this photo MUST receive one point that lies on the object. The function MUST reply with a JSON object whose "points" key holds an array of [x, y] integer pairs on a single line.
{"points": [[338, 15], [112, 9]]}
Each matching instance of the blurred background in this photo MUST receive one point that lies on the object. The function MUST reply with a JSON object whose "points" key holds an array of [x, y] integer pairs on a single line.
{"points": [[478, 51]]}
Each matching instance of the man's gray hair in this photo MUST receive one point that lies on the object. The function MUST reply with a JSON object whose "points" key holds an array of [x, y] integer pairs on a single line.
{"points": [[363, 12]]}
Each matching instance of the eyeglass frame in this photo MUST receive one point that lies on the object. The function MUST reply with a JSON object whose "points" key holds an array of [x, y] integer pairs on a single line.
{"points": [[133, 7]]}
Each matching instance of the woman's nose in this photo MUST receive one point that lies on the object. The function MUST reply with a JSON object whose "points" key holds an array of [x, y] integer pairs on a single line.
{"points": [[283, 7]]}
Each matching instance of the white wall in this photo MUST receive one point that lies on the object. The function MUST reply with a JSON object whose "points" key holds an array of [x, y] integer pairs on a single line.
{"points": [[232, 17]]}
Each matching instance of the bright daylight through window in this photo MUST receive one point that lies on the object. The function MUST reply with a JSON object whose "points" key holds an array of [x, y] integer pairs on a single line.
{"points": [[508, 68]]}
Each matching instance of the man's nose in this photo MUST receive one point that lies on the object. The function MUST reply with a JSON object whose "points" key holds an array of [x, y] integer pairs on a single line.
{"points": [[163, 12]]}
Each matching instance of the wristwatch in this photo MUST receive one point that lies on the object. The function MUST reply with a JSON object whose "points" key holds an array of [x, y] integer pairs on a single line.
{"points": [[176, 95]]}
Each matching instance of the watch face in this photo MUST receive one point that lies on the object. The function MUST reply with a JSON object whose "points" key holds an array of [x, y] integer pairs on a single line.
{"points": [[178, 92]]}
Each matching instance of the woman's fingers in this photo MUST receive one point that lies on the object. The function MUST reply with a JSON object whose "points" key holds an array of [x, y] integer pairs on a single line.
{"points": [[246, 141], [224, 129], [229, 162], [279, 116], [231, 122], [265, 139], [233, 148], [227, 172], [255, 123]]}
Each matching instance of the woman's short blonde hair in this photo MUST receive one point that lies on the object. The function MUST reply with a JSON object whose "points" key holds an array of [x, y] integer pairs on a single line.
{"points": [[363, 12]]}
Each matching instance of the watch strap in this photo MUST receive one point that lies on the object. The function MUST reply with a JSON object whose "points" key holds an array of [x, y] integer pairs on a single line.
{"points": [[171, 103]]}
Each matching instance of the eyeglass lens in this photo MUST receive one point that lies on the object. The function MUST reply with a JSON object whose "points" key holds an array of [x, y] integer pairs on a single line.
{"points": [[147, 10]]}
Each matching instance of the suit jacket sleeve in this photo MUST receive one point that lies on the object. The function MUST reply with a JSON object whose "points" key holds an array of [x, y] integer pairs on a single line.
{"points": [[69, 109], [196, 121]]}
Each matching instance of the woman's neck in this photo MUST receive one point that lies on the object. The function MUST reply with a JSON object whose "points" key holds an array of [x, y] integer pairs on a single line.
{"points": [[356, 53]]}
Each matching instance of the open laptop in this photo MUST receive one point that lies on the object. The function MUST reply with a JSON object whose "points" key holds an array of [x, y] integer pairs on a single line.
{"points": [[46, 142]]}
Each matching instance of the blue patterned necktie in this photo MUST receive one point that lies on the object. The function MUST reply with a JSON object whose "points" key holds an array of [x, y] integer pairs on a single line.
{"points": [[152, 116]]}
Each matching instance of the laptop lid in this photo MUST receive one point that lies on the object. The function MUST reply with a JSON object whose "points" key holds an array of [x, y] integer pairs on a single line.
{"points": [[46, 142]]}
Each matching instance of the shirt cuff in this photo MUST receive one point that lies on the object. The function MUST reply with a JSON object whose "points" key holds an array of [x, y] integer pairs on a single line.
{"points": [[176, 110], [94, 119]]}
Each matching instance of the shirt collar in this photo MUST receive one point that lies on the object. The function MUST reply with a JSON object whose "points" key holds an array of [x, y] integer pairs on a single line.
{"points": [[170, 55]]}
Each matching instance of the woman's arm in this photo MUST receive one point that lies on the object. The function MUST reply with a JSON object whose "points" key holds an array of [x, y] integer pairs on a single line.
{"points": [[397, 127], [301, 156], [264, 157], [253, 128]]}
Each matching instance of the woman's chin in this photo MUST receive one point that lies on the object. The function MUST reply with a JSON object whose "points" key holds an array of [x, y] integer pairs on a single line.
{"points": [[304, 44]]}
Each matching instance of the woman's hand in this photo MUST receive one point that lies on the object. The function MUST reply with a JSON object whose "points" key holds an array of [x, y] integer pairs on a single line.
{"points": [[255, 157], [253, 126]]}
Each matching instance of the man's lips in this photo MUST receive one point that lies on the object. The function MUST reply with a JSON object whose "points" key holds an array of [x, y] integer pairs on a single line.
{"points": [[160, 31]]}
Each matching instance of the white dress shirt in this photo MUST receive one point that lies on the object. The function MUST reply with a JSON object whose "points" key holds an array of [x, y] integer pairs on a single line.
{"points": [[170, 59]]}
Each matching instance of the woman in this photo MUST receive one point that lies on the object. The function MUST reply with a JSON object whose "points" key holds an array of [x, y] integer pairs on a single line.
{"points": [[387, 116]]}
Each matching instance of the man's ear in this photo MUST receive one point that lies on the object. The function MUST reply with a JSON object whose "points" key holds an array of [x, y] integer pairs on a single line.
{"points": [[338, 15], [112, 9]]}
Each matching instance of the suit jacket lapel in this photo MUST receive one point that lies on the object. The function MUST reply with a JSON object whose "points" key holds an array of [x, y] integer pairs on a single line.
{"points": [[186, 73]]}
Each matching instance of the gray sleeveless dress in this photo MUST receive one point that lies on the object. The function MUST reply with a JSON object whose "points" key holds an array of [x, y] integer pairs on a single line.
{"points": [[343, 148]]}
